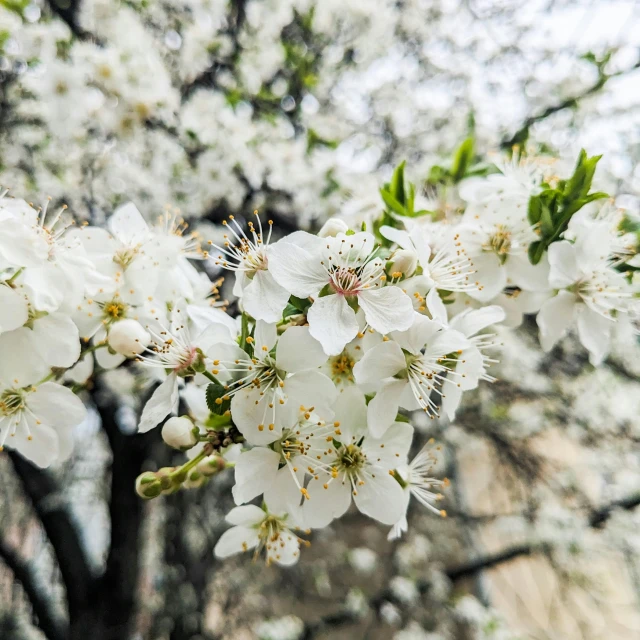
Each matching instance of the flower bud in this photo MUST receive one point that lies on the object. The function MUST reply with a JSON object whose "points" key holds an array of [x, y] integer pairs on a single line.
{"points": [[404, 261], [128, 337], [179, 433], [148, 486], [332, 227], [211, 465]]}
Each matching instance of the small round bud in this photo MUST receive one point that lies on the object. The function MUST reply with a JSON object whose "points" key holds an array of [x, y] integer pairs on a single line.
{"points": [[148, 486], [211, 465], [128, 337], [332, 227], [404, 261], [179, 433]]}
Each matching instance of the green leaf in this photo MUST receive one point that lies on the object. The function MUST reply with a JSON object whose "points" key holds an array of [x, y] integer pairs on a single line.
{"points": [[462, 160], [392, 203], [535, 210], [397, 185], [215, 399], [536, 250], [546, 223], [301, 304]]}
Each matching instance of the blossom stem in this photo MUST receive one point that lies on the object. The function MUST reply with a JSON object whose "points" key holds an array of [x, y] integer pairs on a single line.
{"points": [[210, 376], [11, 280]]}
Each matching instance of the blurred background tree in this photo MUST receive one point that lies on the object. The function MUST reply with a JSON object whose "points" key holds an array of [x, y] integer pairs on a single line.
{"points": [[302, 109]]}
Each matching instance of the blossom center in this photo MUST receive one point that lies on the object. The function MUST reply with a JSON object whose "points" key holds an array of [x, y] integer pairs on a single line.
{"points": [[342, 367], [345, 281], [12, 401], [500, 241]]}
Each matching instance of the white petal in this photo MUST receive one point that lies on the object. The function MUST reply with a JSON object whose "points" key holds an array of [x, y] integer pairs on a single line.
{"points": [[265, 335], [250, 411], [128, 225], [108, 360], [56, 405], [297, 270], [311, 389], [285, 550], [436, 307], [333, 323], [383, 409], [474, 320], [555, 318], [396, 441], [14, 310], [163, 402], [48, 287], [263, 298], [245, 515], [298, 350], [594, 332], [324, 505], [490, 275], [255, 471], [563, 270], [451, 400], [381, 498], [527, 276], [22, 245], [56, 337], [399, 236], [202, 317], [420, 333], [387, 309], [20, 362], [236, 540], [380, 362], [351, 413], [43, 447], [283, 496]]}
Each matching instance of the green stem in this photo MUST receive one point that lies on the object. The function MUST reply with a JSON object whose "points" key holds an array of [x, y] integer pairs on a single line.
{"points": [[244, 332], [11, 280], [185, 468], [211, 377]]}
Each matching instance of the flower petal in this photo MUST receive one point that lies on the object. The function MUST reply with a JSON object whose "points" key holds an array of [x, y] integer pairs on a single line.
{"points": [[236, 540], [128, 225], [297, 350], [381, 498], [245, 515], [555, 317], [263, 298], [563, 266], [14, 310], [297, 270], [594, 332], [255, 471], [324, 505], [57, 339], [383, 409], [56, 405], [163, 402], [387, 309], [333, 323], [380, 362]]}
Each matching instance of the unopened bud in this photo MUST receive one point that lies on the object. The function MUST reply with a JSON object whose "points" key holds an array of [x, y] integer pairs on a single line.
{"points": [[332, 227], [148, 486], [128, 337], [194, 480], [180, 433], [404, 261], [211, 465]]}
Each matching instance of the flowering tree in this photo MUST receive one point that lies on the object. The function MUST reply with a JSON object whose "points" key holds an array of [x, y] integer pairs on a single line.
{"points": [[307, 385]]}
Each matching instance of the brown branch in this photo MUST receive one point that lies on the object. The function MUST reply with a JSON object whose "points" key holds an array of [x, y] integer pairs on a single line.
{"points": [[44, 617], [61, 530]]}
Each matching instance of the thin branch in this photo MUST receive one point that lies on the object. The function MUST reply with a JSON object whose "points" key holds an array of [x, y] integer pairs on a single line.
{"points": [[44, 617], [67, 11], [568, 103]]}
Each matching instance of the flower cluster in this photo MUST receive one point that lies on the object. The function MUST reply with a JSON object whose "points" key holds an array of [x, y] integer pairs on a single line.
{"points": [[307, 388]]}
